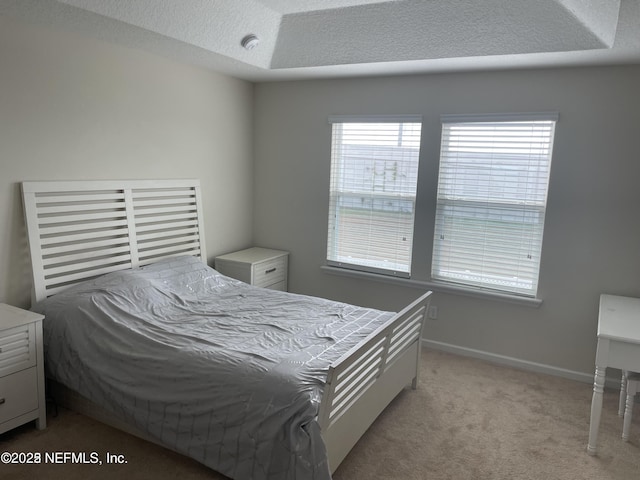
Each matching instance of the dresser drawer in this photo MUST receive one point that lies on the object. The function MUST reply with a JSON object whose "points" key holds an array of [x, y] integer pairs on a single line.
{"points": [[17, 349], [270, 272], [18, 394]]}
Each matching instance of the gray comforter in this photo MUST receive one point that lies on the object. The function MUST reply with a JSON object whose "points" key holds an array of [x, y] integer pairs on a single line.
{"points": [[226, 373]]}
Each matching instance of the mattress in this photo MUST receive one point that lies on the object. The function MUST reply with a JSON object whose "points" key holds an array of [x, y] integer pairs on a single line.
{"points": [[224, 372]]}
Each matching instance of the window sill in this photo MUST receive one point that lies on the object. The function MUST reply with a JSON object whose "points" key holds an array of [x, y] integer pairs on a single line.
{"points": [[435, 286]]}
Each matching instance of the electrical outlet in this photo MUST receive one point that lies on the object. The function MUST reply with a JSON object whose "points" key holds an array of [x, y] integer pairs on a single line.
{"points": [[433, 312]]}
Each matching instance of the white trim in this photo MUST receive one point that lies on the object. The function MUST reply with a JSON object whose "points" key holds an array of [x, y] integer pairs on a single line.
{"points": [[375, 119], [368, 269], [436, 287], [499, 117], [613, 383]]}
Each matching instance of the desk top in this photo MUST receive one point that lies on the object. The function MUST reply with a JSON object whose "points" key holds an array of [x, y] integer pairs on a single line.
{"points": [[619, 318]]}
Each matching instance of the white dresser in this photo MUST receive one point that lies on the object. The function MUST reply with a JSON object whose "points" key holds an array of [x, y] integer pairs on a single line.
{"points": [[257, 266], [22, 396]]}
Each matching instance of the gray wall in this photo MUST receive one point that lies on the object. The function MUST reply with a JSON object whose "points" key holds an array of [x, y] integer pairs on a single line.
{"points": [[72, 108], [592, 233]]}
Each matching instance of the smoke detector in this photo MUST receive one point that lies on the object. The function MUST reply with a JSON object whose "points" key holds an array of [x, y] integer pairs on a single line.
{"points": [[249, 42]]}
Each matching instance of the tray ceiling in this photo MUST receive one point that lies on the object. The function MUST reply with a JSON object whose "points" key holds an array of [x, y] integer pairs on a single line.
{"points": [[332, 38]]}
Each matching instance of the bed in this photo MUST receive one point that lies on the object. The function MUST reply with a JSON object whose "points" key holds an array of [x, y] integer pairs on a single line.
{"points": [[108, 254]]}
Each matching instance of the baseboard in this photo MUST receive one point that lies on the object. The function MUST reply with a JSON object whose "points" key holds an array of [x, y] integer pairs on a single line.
{"points": [[612, 382]]}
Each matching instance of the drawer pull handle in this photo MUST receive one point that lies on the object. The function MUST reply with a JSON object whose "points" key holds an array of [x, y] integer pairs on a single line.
{"points": [[271, 270], [2, 400]]}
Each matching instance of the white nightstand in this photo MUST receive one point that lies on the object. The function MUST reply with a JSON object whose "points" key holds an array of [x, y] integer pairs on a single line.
{"points": [[261, 267], [21, 369]]}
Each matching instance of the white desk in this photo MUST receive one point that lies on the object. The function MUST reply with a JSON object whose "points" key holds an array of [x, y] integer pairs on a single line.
{"points": [[618, 346]]}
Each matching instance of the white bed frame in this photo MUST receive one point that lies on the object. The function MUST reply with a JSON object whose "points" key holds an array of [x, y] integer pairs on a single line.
{"points": [[78, 230]]}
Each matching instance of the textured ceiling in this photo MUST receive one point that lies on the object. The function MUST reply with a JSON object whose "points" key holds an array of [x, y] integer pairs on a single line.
{"points": [[418, 29], [297, 6], [329, 38]]}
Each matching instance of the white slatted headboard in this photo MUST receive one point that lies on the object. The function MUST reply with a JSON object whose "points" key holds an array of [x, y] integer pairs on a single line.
{"points": [[81, 229]]}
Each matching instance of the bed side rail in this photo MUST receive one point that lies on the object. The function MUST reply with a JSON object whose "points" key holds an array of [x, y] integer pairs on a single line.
{"points": [[351, 375]]}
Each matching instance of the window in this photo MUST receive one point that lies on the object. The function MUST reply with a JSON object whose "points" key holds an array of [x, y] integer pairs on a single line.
{"points": [[374, 174], [492, 192]]}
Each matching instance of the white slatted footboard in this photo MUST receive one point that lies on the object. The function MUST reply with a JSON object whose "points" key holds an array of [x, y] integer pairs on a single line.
{"points": [[365, 380]]}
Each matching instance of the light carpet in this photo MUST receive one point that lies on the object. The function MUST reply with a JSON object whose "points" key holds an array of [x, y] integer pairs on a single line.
{"points": [[468, 420]]}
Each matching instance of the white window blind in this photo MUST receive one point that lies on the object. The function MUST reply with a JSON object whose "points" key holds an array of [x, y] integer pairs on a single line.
{"points": [[374, 174], [492, 193]]}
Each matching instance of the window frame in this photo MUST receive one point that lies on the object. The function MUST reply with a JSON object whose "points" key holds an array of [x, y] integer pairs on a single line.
{"points": [[442, 203], [333, 259]]}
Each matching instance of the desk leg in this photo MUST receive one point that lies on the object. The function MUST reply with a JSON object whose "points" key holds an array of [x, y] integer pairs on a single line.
{"points": [[596, 408], [622, 402]]}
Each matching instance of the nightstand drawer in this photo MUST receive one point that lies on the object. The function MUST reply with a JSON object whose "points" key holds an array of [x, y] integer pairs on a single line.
{"points": [[17, 349], [21, 368], [18, 394], [282, 286], [271, 272], [257, 266]]}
